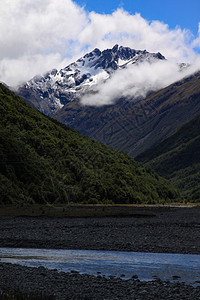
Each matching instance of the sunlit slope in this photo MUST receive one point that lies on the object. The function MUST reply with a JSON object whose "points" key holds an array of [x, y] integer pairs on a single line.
{"points": [[43, 161]]}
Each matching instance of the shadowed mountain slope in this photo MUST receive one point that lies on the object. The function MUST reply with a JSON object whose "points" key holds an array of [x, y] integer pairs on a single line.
{"points": [[135, 127], [178, 159], [44, 161]]}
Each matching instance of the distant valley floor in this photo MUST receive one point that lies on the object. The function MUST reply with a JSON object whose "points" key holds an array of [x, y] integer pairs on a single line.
{"points": [[149, 229]]}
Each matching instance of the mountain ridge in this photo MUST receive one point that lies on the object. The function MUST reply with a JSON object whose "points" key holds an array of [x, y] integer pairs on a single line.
{"points": [[135, 127], [131, 125], [51, 92]]}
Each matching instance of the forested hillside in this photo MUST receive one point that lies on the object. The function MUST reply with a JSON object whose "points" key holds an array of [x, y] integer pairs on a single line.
{"points": [[43, 161], [178, 159]]}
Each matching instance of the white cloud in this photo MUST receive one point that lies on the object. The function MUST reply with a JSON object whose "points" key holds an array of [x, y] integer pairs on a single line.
{"points": [[18, 70], [39, 26], [134, 31], [136, 81], [36, 36]]}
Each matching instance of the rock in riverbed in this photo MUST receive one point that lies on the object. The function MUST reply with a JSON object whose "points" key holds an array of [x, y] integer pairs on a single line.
{"points": [[17, 279]]}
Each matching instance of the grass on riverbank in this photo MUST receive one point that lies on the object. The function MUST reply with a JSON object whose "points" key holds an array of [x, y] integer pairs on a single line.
{"points": [[84, 211]]}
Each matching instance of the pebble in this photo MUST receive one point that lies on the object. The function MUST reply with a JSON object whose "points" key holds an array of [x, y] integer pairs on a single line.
{"points": [[30, 282], [166, 232]]}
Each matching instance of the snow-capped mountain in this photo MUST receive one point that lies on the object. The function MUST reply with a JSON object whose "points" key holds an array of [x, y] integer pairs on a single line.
{"points": [[52, 91]]}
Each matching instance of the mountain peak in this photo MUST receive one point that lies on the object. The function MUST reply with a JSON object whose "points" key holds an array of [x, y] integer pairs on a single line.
{"points": [[52, 91], [119, 56], [115, 48]]}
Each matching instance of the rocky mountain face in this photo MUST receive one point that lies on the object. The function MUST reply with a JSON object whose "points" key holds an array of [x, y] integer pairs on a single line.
{"points": [[49, 93], [135, 127], [128, 126]]}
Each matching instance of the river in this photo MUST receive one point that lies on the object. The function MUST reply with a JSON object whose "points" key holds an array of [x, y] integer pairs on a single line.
{"points": [[147, 266]]}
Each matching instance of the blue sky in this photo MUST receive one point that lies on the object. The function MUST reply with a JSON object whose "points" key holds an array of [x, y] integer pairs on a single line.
{"points": [[183, 13]]}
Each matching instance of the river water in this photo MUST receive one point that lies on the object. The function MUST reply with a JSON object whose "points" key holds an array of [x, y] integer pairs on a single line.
{"points": [[147, 266]]}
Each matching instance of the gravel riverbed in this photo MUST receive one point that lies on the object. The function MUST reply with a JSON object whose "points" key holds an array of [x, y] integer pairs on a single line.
{"points": [[40, 281], [164, 230], [167, 229]]}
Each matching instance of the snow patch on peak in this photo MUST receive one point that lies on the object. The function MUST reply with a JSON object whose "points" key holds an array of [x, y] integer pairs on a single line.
{"points": [[72, 82]]}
